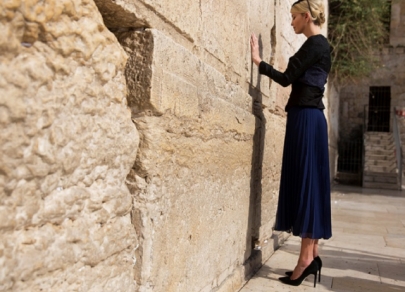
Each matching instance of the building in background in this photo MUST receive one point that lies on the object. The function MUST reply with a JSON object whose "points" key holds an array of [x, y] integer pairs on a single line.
{"points": [[371, 116]]}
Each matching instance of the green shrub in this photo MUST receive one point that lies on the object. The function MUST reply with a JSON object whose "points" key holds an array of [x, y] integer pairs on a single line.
{"points": [[357, 30]]}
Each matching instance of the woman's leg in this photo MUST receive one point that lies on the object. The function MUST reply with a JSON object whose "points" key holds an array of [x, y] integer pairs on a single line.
{"points": [[316, 253], [305, 258]]}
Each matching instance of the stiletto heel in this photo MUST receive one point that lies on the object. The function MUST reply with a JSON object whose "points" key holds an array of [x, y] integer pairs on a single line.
{"points": [[311, 269], [319, 277], [314, 280], [318, 261]]}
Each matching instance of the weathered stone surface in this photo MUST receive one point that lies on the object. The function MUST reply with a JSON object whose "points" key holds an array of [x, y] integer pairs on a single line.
{"points": [[203, 184], [206, 178], [67, 144], [216, 33]]}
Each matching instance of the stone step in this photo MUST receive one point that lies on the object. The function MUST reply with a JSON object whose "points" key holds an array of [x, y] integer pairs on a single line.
{"points": [[386, 157], [379, 140], [375, 139], [372, 156], [380, 163], [393, 179], [371, 173], [380, 157], [379, 147], [384, 169], [379, 152], [373, 185], [382, 134], [373, 144]]}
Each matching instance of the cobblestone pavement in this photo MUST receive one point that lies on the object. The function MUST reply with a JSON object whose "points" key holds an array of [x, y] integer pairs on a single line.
{"points": [[365, 253]]}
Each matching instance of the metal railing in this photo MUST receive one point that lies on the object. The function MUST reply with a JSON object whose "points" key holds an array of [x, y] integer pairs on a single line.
{"points": [[398, 144]]}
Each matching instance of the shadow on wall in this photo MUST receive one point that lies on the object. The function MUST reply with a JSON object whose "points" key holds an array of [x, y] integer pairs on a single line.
{"points": [[254, 257]]}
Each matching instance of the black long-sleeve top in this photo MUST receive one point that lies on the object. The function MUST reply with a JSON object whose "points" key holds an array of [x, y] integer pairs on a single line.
{"points": [[307, 71]]}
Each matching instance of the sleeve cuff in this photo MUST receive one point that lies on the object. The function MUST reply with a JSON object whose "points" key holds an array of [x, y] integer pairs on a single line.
{"points": [[262, 67]]}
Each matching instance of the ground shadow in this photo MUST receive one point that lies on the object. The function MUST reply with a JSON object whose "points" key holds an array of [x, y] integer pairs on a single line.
{"points": [[336, 260]]}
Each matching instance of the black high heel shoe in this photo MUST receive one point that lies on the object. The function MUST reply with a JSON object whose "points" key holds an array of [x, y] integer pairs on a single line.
{"points": [[311, 269], [318, 261]]}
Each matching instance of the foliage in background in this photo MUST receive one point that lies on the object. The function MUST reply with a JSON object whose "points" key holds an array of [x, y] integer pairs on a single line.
{"points": [[357, 30]]}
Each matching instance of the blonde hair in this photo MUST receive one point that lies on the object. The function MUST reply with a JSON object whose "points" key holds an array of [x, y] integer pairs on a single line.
{"points": [[317, 9]]}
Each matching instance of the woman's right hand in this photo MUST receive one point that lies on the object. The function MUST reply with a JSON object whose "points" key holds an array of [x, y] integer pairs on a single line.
{"points": [[254, 47]]}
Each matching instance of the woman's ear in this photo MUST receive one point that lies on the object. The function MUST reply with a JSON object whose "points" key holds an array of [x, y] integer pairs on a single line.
{"points": [[308, 17]]}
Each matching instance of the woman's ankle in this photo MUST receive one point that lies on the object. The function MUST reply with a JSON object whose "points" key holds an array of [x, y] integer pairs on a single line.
{"points": [[304, 262]]}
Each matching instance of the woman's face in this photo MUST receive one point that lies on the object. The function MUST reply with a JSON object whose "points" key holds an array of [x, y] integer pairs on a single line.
{"points": [[298, 22]]}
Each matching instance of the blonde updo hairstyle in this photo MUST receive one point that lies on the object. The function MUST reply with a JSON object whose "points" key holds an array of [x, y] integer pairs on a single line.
{"points": [[317, 8]]}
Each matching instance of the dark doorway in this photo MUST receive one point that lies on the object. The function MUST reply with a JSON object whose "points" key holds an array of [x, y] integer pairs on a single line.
{"points": [[379, 109]]}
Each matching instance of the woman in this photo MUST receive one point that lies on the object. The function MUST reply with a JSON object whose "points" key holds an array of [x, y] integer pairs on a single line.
{"points": [[304, 199]]}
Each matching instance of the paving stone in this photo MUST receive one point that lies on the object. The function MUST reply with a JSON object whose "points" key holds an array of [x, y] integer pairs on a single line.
{"points": [[365, 253], [396, 230], [360, 285], [366, 229], [395, 240], [392, 272], [396, 210]]}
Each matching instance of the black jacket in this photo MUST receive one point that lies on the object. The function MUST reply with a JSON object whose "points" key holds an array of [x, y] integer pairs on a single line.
{"points": [[307, 71]]}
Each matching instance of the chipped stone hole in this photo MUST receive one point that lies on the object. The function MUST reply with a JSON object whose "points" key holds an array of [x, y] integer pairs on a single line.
{"points": [[116, 18], [31, 33], [133, 35], [136, 40]]}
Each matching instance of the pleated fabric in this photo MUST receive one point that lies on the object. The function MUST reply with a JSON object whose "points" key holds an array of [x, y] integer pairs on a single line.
{"points": [[304, 206]]}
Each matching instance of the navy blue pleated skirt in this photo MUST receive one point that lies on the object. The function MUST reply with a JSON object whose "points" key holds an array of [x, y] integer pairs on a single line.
{"points": [[304, 206]]}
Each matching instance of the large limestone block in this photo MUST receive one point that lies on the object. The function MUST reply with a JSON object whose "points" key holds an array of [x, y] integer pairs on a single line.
{"points": [[163, 76], [194, 204], [193, 174], [67, 144], [191, 180], [216, 32]]}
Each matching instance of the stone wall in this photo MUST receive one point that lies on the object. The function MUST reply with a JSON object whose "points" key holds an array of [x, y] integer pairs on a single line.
{"points": [[354, 97], [131, 160], [67, 145], [397, 28]]}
